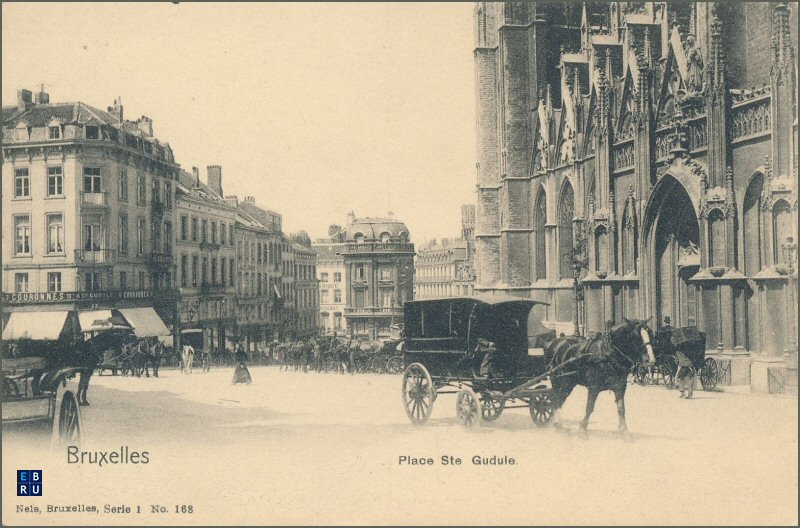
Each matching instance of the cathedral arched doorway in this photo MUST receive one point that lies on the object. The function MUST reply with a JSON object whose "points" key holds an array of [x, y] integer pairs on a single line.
{"points": [[674, 239]]}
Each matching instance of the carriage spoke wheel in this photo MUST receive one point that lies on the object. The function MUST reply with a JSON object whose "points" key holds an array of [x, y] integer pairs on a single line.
{"points": [[394, 365], [541, 408], [468, 409], [491, 407], [642, 374], [668, 368], [418, 393], [709, 376], [70, 425]]}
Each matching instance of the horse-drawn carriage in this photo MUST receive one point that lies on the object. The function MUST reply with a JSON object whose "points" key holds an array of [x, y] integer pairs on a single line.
{"points": [[666, 344], [37, 373], [477, 348]]}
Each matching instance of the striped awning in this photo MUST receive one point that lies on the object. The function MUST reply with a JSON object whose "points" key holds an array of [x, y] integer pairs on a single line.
{"points": [[34, 325], [91, 320], [145, 322]]}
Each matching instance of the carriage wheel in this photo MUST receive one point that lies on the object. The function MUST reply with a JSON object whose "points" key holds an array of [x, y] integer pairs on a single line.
{"points": [[70, 424], [394, 365], [541, 408], [418, 393], [640, 374], [709, 375], [491, 407], [468, 409], [669, 365]]}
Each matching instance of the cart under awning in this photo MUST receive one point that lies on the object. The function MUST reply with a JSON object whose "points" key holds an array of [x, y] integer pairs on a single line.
{"points": [[145, 322], [92, 320], [35, 325]]}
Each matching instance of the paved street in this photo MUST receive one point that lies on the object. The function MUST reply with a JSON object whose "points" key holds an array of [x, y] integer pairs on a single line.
{"points": [[294, 447]]}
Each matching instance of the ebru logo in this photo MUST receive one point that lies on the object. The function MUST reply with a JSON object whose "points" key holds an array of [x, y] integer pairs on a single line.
{"points": [[29, 483]]}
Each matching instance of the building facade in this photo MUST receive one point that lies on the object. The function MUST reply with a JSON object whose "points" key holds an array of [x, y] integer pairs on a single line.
{"points": [[639, 160], [331, 277], [379, 275], [305, 285], [447, 269], [88, 210], [437, 266]]}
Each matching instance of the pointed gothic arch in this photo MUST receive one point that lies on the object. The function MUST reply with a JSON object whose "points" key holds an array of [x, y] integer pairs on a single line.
{"points": [[539, 234], [566, 217]]}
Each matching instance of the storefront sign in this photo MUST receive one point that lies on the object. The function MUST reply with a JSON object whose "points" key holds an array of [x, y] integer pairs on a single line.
{"points": [[65, 297]]}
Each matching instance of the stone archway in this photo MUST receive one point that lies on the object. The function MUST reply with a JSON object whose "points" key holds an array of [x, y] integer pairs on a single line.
{"points": [[672, 250]]}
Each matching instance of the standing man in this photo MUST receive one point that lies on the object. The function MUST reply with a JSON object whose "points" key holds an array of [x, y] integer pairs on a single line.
{"points": [[87, 360]]}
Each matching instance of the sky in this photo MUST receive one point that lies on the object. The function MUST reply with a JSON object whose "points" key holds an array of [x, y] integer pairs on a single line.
{"points": [[313, 109]]}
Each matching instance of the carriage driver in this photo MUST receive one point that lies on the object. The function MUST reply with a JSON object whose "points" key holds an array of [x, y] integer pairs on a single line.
{"points": [[488, 350]]}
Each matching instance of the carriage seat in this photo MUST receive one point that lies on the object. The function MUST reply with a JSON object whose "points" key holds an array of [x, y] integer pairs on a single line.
{"points": [[23, 365]]}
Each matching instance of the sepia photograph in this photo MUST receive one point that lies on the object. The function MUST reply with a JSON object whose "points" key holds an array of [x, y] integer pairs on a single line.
{"points": [[401, 263]]}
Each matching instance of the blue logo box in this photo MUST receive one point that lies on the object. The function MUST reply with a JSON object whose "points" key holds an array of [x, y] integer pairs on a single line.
{"points": [[29, 483]]}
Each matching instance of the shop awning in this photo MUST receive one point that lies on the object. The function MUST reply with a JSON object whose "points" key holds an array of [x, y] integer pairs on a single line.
{"points": [[35, 325], [94, 320], [145, 322]]}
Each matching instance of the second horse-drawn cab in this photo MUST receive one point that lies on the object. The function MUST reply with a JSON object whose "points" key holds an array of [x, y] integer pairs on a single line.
{"points": [[473, 344]]}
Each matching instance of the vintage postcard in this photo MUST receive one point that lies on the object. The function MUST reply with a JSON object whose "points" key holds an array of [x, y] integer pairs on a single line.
{"points": [[518, 263]]}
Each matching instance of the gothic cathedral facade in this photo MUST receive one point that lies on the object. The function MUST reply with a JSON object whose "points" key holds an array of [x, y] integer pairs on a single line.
{"points": [[639, 160]]}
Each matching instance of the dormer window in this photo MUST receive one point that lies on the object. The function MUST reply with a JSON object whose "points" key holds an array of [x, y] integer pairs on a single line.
{"points": [[21, 132], [54, 132], [385, 238], [92, 132], [359, 238]]}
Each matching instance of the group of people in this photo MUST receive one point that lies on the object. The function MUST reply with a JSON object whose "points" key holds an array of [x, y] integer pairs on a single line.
{"points": [[318, 354], [241, 374]]}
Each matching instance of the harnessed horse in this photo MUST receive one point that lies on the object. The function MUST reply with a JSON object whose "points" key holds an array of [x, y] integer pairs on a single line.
{"points": [[599, 363]]}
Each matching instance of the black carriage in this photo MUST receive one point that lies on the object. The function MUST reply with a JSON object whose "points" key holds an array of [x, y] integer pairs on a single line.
{"points": [[477, 348], [668, 342], [37, 387]]}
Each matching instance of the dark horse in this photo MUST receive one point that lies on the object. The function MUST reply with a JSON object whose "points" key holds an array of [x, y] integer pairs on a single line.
{"points": [[599, 363]]}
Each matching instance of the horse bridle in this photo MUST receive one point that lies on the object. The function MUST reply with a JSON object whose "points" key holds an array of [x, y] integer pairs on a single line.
{"points": [[621, 353]]}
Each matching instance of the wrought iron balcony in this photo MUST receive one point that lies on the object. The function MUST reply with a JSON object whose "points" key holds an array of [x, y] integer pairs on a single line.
{"points": [[211, 246], [379, 247], [95, 257], [208, 288], [159, 259], [95, 199], [374, 310]]}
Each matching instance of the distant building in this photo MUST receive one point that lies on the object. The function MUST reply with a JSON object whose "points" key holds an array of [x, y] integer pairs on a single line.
{"points": [[446, 269], [379, 273], [305, 286], [205, 250], [331, 279]]}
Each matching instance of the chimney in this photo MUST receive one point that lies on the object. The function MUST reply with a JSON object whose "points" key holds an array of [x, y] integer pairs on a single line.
{"points": [[42, 97], [145, 124], [250, 200], [351, 217], [24, 99], [196, 174], [116, 110], [232, 201], [215, 178]]}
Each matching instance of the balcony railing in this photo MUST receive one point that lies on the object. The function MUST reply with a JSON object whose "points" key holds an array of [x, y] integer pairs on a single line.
{"points": [[159, 259], [97, 199], [94, 257], [379, 247], [212, 246], [207, 288], [374, 310]]}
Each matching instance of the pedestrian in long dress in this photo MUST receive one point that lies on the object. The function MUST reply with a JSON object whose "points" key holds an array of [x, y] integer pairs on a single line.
{"points": [[240, 373]]}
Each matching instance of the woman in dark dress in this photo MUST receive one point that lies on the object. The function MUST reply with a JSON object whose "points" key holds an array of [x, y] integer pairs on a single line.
{"points": [[240, 373]]}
